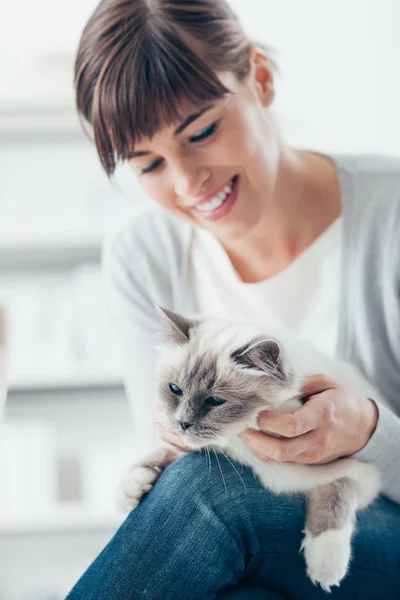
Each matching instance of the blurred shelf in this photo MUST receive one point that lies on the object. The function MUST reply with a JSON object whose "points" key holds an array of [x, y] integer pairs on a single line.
{"points": [[33, 382], [24, 248], [60, 524], [29, 120]]}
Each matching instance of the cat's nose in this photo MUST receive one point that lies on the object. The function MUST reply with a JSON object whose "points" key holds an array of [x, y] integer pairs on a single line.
{"points": [[185, 425]]}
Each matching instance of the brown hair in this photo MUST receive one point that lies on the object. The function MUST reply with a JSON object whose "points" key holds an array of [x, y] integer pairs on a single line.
{"points": [[138, 61]]}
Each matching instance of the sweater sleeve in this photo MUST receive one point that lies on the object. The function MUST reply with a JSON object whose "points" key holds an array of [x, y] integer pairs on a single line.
{"points": [[133, 311], [383, 451], [383, 448]]}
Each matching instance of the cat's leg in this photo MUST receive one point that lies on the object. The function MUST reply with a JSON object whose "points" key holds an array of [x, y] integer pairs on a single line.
{"points": [[331, 510], [141, 476]]}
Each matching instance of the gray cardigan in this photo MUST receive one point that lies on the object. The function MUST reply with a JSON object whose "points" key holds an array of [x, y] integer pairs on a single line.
{"points": [[147, 262]]}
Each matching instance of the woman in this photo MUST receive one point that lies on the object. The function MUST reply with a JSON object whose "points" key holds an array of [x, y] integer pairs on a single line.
{"points": [[246, 225]]}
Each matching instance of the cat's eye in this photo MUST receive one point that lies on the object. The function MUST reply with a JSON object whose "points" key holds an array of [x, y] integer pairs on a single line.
{"points": [[214, 401], [175, 389]]}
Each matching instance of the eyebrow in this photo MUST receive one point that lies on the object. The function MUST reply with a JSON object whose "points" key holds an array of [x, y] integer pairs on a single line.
{"points": [[188, 121]]}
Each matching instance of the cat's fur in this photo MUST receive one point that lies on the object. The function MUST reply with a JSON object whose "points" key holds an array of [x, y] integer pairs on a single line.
{"points": [[254, 371]]}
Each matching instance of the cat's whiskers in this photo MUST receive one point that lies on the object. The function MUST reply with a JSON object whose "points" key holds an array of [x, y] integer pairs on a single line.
{"points": [[244, 485], [263, 446], [251, 456], [226, 491], [209, 461]]}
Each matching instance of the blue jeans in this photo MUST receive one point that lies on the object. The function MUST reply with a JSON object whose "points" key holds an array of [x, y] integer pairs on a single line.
{"points": [[209, 529]]}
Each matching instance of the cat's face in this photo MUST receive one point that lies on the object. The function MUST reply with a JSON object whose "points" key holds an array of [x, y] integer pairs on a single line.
{"points": [[214, 379]]}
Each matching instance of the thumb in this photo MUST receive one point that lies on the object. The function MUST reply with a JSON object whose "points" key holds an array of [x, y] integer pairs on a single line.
{"points": [[316, 384]]}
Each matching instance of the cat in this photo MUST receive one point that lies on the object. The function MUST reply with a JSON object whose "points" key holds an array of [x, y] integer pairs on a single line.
{"points": [[214, 377]]}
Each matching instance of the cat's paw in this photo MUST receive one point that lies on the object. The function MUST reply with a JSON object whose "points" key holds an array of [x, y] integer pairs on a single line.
{"points": [[327, 556], [138, 481]]}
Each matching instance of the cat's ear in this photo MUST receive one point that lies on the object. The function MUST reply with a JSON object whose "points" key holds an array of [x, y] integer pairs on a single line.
{"points": [[262, 355], [176, 326]]}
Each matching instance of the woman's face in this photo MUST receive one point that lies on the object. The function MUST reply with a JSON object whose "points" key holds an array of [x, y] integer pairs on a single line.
{"points": [[217, 169]]}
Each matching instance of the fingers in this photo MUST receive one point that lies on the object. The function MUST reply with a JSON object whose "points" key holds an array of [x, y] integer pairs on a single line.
{"points": [[167, 434], [290, 425], [317, 384], [173, 439], [180, 448], [316, 412], [165, 431], [277, 449]]}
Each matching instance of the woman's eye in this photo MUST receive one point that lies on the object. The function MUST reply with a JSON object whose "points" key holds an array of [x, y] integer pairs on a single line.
{"points": [[175, 389], [214, 401], [151, 167], [196, 138], [205, 133]]}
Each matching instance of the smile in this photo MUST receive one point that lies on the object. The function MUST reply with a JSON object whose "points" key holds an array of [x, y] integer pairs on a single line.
{"points": [[221, 204]]}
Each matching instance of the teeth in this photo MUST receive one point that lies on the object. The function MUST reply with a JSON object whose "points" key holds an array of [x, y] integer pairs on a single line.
{"points": [[215, 202]]}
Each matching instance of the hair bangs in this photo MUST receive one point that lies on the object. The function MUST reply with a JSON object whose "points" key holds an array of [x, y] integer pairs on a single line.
{"points": [[145, 90]]}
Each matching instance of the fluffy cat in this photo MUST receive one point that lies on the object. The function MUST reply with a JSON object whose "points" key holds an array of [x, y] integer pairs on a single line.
{"points": [[214, 377]]}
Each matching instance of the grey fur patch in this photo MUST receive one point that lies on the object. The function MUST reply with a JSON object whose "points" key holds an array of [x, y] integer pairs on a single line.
{"points": [[200, 371], [261, 354], [177, 326], [331, 506]]}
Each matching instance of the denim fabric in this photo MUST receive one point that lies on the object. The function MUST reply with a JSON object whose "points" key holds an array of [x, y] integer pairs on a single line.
{"points": [[208, 529]]}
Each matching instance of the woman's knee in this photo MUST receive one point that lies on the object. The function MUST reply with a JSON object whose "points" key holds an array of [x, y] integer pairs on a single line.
{"points": [[256, 517], [208, 476]]}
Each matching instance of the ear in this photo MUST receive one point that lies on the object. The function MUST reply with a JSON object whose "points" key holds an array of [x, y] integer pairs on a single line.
{"points": [[262, 74], [176, 326], [262, 355]]}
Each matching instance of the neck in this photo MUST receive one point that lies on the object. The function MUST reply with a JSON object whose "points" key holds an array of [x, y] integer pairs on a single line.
{"points": [[305, 201]]}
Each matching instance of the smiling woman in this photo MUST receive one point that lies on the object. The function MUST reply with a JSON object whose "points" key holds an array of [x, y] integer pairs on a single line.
{"points": [[244, 227]]}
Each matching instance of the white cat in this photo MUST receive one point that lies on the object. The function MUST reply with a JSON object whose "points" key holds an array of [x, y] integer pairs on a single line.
{"points": [[214, 377]]}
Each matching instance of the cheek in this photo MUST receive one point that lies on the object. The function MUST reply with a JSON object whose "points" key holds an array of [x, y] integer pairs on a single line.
{"points": [[157, 191], [259, 137], [230, 413], [230, 149], [245, 147]]}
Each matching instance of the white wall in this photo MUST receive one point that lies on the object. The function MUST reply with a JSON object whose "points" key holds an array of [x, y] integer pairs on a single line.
{"points": [[340, 63]]}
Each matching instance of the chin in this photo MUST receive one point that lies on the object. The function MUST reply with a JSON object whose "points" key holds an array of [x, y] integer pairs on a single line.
{"points": [[235, 229], [197, 443], [222, 440]]}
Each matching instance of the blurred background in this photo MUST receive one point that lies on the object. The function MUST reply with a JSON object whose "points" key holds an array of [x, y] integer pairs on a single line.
{"points": [[68, 435]]}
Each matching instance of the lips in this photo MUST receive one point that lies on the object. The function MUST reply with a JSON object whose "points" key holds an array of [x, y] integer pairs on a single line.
{"points": [[222, 210], [213, 194]]}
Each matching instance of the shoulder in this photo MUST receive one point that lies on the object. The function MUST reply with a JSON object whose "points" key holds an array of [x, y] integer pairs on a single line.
{"points": [[152, 238], [370, 165], [370, 192], [145, 261], [370, 180], [371, 205]]}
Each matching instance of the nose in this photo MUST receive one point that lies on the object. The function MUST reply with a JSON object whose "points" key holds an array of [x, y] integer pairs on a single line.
{"points": [[185, 425], [190, 179]]}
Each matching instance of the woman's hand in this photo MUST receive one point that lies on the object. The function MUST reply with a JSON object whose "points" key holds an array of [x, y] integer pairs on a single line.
{"points": [[333, 423], [166, 433]]}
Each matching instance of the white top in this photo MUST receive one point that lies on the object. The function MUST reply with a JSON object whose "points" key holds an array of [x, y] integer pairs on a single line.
{"points": [[303, 297]]}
